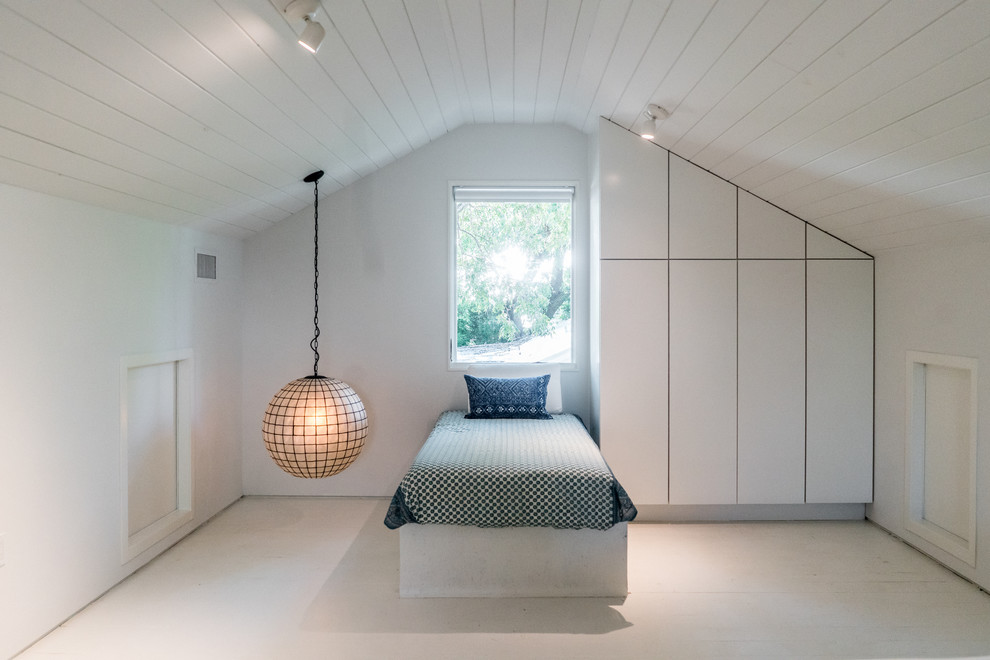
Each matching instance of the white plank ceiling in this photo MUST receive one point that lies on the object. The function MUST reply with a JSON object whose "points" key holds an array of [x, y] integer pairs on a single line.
{"points": [[868, 118]]}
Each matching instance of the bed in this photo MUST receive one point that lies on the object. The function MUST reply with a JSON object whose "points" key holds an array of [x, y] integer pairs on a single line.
{"points": [[510, 503]]}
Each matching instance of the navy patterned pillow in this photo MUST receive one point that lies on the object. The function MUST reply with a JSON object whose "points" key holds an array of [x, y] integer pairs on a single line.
{"points": [[519, 398]]}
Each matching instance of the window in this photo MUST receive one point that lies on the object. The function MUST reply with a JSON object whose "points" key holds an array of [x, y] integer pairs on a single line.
{"points": [[511, 280]]}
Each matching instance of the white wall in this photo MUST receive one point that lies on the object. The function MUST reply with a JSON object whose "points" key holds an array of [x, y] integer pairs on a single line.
{"points": [[383, 299], [83, 287], [936, 300]]}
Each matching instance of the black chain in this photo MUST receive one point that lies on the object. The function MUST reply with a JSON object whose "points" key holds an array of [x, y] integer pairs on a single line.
{"points": [[316, 279]]}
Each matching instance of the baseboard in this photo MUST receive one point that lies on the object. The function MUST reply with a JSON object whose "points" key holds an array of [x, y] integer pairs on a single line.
{"points": [[741, 512]]}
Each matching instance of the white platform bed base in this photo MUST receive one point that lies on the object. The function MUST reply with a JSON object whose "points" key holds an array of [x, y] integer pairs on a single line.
{"points": [[457, 561]]}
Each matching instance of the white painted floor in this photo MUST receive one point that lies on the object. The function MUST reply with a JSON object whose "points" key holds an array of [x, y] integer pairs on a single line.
{"points": [[298, 578]]}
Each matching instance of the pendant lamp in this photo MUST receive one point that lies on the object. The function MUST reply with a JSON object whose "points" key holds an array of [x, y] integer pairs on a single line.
{"points": [[315, 426]]}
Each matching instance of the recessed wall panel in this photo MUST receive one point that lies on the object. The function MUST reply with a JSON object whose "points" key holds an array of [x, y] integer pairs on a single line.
{"points": [[155, 448], [151, 444], [942, 440], [947, 449]]}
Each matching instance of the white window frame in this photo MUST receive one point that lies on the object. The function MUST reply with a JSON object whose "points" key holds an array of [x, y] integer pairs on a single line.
{"points": [[512, 191]]}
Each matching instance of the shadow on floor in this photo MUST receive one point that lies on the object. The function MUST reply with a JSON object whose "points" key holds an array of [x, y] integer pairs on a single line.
{"points": [[362, 596]]}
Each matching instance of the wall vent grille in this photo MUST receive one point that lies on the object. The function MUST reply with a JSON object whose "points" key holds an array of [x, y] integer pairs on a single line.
{"points": [[206, 266]]}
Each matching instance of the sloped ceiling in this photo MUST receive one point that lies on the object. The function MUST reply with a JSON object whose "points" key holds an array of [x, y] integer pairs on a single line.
{"points": [[868, 118]]}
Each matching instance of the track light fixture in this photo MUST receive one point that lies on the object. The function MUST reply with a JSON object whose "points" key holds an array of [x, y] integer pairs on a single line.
{"points": [[312, 35], [654, 113]]}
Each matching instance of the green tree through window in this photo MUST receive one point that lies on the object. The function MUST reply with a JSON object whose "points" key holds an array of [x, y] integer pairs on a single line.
{"points": [[513, 274]]}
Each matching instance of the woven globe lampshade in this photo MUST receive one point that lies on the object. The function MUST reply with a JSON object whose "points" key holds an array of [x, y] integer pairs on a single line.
{"points": [[315, 427]]}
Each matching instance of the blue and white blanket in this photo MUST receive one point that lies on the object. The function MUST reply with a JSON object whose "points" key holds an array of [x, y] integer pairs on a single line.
{"points": [[510, 473]]}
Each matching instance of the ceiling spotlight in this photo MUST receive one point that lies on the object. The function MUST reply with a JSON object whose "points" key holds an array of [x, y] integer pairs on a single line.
{"points": [[654, 113], [312, 35]]}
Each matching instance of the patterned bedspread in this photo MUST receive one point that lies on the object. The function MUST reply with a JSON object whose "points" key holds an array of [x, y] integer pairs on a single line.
{"points": [[510, 473]]}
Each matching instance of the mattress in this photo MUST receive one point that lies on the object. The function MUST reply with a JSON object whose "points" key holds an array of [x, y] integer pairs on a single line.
{"points": [[510, 473]]}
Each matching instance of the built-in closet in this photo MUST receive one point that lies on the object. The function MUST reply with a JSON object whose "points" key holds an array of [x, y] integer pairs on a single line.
{"points": [[734, 343]]}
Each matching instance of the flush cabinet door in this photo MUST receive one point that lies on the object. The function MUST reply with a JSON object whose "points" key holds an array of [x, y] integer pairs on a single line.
{"points": [[840, 381], [633, 378], [633, 175], [702, 213], [771, 382], [703, 382]]}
